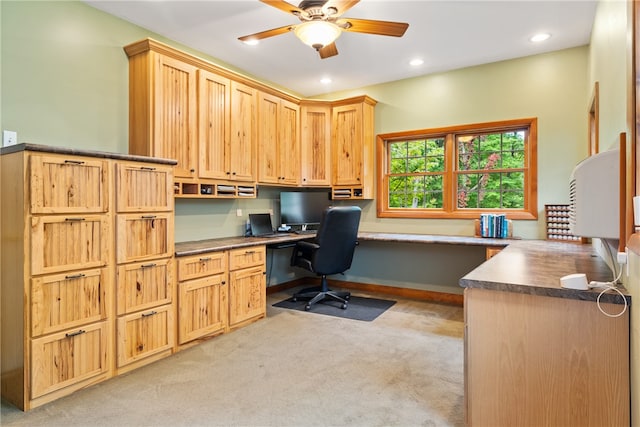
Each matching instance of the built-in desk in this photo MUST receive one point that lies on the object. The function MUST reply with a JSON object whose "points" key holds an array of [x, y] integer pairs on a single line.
{"points": [[538, 354]]}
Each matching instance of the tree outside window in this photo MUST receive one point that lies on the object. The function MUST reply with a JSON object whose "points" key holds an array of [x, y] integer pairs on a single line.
{"points": [[460, 171]]}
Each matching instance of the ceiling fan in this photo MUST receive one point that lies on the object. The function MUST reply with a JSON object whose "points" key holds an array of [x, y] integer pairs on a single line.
{"points": [[321, 24]]}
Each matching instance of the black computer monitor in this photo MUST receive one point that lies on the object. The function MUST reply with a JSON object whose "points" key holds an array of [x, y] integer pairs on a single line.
{"points": [[303, 207]]}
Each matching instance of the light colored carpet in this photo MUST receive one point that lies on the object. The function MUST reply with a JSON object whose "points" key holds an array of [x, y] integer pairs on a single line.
{"points": [[291, 369]]}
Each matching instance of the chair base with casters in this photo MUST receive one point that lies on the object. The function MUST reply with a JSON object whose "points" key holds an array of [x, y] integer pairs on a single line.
{"points": [[321, 294]]}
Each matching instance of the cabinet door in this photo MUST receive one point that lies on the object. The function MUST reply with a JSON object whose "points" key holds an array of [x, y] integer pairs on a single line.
{"points": [[242, 150], [289, 144], [247, 257], [175, 115], [65, 358], [315, 145], [68, 184], [144, 334], [64, 301], [143, 187], [144, 285], [202, 307], [193, 267], [214, 93], [247, 294], [144, 237], [268, 119], [347, 146], [60, 243]]}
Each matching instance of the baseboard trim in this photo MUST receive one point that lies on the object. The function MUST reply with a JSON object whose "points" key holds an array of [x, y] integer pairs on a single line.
{"points": [[419, 294]]}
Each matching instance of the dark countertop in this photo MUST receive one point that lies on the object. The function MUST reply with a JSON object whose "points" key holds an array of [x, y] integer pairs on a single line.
{"points": [[524, 266], [88, 153], [536, 266]]}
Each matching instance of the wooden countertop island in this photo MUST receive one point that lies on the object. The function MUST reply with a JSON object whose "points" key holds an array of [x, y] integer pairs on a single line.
{"points": [[537, 354]]}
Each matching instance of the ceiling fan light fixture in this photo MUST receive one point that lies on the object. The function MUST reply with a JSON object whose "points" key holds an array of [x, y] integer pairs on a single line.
{"points": [[317, 34]]}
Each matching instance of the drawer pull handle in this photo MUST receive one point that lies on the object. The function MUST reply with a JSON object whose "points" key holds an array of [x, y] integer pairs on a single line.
{"points": [[74, 276], [74, 162], [148, 216], [149, 314], [205, 259], [153, 264], [249, 252], [74, 219], [146, 168], [73, 334]]}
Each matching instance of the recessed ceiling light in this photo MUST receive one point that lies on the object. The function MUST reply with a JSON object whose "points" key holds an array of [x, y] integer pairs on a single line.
{"points": [[416, 62], [252, 42], [325, 80], [540, 37]]}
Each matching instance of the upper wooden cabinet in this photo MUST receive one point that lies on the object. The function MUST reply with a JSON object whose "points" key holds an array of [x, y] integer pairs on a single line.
{"points": [[315, 144], [353, 145], [162, 110], [279, 141], [214, 124], [242, 150]]}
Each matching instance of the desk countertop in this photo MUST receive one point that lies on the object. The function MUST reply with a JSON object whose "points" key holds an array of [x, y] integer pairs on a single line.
{"points": [[524, 266], [536, 266]]}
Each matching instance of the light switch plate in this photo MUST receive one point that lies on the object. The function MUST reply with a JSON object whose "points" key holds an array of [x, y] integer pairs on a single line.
{"points": [[9, 137]]}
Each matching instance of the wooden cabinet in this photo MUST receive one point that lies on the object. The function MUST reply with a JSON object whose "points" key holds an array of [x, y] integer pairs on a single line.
{"points": [[56, 277], [279, 141], [535, 360], [315, 144], [242, 149], [247, 285], [202, 296], [162, 109], [144, 253], [352, 148], [214, 131]]}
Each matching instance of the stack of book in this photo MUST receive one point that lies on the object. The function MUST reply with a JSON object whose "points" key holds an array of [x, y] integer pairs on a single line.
{"points": [[494, 225]]}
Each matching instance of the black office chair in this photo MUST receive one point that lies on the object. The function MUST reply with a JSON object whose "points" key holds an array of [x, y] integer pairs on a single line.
{"points": [[331, 252]]}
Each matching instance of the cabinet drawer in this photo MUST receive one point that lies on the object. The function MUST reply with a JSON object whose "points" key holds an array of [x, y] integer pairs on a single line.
{"points": [[247, 257], [142, 237], [192, 267], [202, 307], [60, 243], [65, 358], [143, 187], [144, 285], [70, 184], [144, 334], [67, 300]]}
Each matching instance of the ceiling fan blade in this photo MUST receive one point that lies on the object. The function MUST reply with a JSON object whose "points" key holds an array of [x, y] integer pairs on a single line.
{"points": [[368, 26], [328, 51], [283, 6], [264, 34], [340, 5]]}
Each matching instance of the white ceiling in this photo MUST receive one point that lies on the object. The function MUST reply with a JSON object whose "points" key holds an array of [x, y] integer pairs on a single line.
{"points": [[446, 34]]}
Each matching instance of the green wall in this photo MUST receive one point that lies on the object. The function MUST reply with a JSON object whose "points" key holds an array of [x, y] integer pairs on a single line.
{"points": [[65, 82]]}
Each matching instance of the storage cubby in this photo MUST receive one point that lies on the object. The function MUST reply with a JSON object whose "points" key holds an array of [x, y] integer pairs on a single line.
{"points": [[557, 223]]}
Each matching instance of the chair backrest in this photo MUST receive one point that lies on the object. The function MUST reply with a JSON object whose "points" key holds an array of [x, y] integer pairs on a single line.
{"points": [[337, 237]]}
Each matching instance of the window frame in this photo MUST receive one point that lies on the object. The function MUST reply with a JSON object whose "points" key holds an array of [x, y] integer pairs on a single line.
{"points": [[450, 209]]}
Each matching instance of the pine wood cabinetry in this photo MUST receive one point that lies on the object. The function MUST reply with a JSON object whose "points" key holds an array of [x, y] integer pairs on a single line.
{"points": [[315, 144], [279, 141], [214, 124], [144, 253], [242, 151], [202, 296], [352, 148], [162, 110], [247, 285], [56, 279]]}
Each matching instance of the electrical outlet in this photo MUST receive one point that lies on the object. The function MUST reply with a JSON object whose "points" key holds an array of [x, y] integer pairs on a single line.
{"points": [[238, 212], [9, 137]]}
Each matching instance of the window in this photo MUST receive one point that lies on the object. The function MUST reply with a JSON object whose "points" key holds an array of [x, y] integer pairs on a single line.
{"points": [[459, 171]]}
